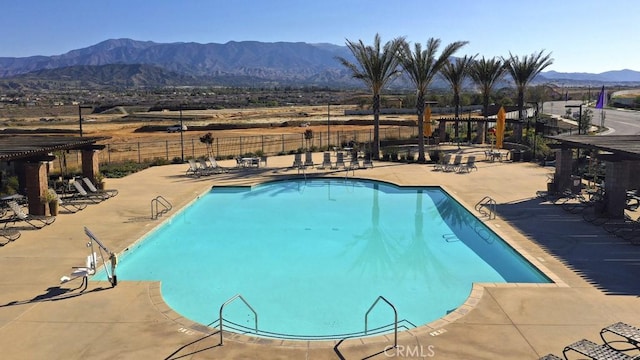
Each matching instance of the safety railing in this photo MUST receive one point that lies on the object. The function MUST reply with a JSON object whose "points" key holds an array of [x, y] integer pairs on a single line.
{"points": [[487, 207], [232, 299], [395, 320], [159, 206]]}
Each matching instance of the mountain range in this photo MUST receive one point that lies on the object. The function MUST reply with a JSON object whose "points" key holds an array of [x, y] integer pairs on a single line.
{"points": [[131, 63]]}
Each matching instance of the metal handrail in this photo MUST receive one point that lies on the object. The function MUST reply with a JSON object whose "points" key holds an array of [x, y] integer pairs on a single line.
{"points": [[395, 321], [489, 203], [159, 200], [246, 303]]}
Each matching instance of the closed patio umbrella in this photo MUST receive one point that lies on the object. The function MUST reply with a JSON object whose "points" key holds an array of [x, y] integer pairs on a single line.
{"points": [[500, 124], [427, 122]]}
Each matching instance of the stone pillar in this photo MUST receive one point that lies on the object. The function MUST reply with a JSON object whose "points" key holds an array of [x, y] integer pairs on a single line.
{"points": [[37, 184], [564, 168], [616, 183], [90, 164]]}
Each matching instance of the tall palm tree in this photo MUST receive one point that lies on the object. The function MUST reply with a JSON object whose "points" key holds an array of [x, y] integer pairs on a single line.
{"points": [[454, 72], [485, 73], [523, 70], [422, 66], [375, 65]]}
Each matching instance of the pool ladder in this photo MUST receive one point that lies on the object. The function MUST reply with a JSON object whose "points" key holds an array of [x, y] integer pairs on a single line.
{"points": [[159, 206], [487, 207], [395, 321], [232, 299]]}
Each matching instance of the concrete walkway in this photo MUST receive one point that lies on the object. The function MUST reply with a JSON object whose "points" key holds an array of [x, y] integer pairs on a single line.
{"points": [[596, 278]]}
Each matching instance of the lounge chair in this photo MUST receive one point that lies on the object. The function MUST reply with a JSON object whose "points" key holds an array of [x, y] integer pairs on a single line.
{"points": [[37, 221], [82, 194], [326, 161], [550, 357], [624, 332], [367, 163], [194, 169], [10, 235], [442, 163], [67, 203], [595, 351], [469, 165], [297, 161], [308, 160], [353, 161], [457, 161], [217, 167], [339, 160], [92, 188]]}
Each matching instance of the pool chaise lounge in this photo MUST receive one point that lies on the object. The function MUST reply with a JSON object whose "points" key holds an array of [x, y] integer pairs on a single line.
{"points": [[82, 194], [624, 333], [36, 221], [10, 235], [92, 188], [595, 351]]}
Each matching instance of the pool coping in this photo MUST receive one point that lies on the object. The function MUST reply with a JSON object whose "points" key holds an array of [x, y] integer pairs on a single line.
{"points": [[433, 328]]}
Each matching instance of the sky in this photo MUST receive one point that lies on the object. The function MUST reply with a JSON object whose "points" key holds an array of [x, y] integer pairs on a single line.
{"points": [[581, 35]]}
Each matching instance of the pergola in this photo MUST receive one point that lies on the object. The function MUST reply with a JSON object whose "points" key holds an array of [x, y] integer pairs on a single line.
{"points": [[621, 154], [30, 155]]}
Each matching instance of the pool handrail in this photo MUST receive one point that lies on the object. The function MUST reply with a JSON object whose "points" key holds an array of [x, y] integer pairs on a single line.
{"points": [[230, 301], [395, 321]]}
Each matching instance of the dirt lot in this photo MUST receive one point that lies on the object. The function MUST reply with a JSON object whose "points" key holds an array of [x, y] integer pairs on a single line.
{"points": [[126, 127]]}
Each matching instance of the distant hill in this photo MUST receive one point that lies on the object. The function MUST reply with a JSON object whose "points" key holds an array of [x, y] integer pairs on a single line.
{"points": [[131, 63]]}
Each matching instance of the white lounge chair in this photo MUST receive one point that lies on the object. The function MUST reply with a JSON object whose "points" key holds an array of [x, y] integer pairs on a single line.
{"points": [[308, 160], [326, 161], [37, 221], [339, 160], [216, 167], [67, 203], [92, 188], [82, 194], [297, 161], [194, 169], [469, 165]]}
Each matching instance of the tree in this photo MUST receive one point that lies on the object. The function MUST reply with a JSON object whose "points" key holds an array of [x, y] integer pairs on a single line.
{"points": [[523, 71], [485, 73], [422, 66], [375, 65], [454, 72]]}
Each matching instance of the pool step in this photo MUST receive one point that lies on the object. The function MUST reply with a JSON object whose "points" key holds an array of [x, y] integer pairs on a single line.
{"points": [[450, 237]]}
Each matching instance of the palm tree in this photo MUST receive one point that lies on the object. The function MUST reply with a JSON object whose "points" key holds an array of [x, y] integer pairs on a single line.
{"points": [[455, 72], [422, 66], [523, 70], [375, 66], [485, 73]]}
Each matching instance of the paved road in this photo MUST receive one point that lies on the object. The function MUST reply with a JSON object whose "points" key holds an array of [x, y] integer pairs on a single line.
{"points": [[619, 122]]}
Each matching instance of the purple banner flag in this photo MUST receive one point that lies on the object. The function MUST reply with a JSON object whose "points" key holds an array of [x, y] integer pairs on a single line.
{"points": [[602, 99]]}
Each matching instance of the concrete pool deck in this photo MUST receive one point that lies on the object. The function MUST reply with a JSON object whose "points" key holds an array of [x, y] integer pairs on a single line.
{"points": [[596, 274]]}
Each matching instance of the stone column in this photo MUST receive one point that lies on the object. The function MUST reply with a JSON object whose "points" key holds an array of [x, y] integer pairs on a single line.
{"points": [[37, 185], [616, 183], [90, 164], [564, 167]]}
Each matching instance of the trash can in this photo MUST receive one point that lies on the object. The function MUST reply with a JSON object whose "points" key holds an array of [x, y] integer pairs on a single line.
{"points": [[515, 155]]}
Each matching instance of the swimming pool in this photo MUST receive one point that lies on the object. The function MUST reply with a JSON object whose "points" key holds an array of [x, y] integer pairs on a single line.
{"points": [[311, 257]]}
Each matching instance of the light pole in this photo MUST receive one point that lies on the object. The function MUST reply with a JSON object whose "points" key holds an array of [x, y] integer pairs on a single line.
{"points": [[328, 125], [579, 115], [80, 107], [181, 135]]}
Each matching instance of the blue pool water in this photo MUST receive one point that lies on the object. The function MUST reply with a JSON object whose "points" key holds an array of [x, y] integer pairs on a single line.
{"points": [[311, 257]]}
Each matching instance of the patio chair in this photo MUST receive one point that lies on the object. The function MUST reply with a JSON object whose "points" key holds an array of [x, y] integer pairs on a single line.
{"points": [[624, 333], [469, 165], [452, 167], [67, 203], [439, 166], [36, 221], [595, 351], [550, 357], [308, 160], [92, 188], [194, 169], [367, 162], [10, 235], [339, 160], [217, 167], [82, 194], [297, 161], [353, 161], [326, 161]]}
